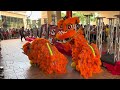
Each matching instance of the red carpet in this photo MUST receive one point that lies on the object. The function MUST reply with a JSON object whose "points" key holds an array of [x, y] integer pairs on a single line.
{"points": [[114, 69], [60, 47], [30, 39]]}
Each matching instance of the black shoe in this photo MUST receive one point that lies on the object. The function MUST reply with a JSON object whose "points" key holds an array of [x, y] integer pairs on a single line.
{"points": [[1, 68], [1, 71], [1, 76]]}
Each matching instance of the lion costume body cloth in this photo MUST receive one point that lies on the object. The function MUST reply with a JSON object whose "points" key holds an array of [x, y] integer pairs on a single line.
{"points": [[85, 56], [46, 56]]}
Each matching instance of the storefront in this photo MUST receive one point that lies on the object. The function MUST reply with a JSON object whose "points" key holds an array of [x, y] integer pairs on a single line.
{"points": [[12, 19], [12, 22]]}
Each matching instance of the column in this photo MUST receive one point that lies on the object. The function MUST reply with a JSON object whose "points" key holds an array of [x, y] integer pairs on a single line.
{"points": [[43, 16], [69, 14], [58, 14], [25, 22], [49, 14]]}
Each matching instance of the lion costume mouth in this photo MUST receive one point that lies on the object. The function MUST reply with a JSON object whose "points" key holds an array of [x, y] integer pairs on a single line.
{"points": [[65, 40], [69, 28], [65, 36]]}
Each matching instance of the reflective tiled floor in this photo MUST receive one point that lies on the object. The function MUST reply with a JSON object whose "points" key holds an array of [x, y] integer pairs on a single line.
{"points": [[16, 65]]}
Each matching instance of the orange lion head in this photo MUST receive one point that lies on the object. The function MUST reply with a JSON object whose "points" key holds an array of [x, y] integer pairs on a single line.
{"points": [[69, 28]]}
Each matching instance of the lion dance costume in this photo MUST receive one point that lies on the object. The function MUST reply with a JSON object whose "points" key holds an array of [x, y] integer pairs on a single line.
{"points": [[85, 56], [41, 53]]}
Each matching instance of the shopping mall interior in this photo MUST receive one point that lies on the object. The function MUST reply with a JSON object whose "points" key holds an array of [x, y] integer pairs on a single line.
{"points": [[59, 44]]}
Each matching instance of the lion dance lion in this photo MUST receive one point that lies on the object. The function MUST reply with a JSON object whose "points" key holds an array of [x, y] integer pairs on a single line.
{"points": [[85, 56]]}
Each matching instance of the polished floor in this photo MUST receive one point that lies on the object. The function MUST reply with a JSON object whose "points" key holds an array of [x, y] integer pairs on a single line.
{"points": [[16, 65]]}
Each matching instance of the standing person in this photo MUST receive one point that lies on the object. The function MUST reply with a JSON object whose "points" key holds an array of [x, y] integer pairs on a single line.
{"points": [[31, 32], [94, 33], [13, 33], [17, 33], [10, 33], [39, 30], [7, 34], [1, 34], [103, 33], [107, 32], [35, 31], [22, 33], [28, 32]]}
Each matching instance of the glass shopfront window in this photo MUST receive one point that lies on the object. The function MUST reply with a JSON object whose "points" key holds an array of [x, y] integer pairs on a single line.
{"points": [[0, 19], [8, 22], [12, 22]]}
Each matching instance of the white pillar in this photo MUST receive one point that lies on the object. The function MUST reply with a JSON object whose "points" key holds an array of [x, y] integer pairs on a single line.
{"points": [[58, 14]]}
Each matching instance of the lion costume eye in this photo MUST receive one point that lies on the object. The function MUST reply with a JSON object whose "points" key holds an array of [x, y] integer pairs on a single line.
{"points": [[61, 26], [69, 26]]}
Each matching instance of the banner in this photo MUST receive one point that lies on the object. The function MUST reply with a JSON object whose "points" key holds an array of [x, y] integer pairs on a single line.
{"points": [[53, 29]]}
